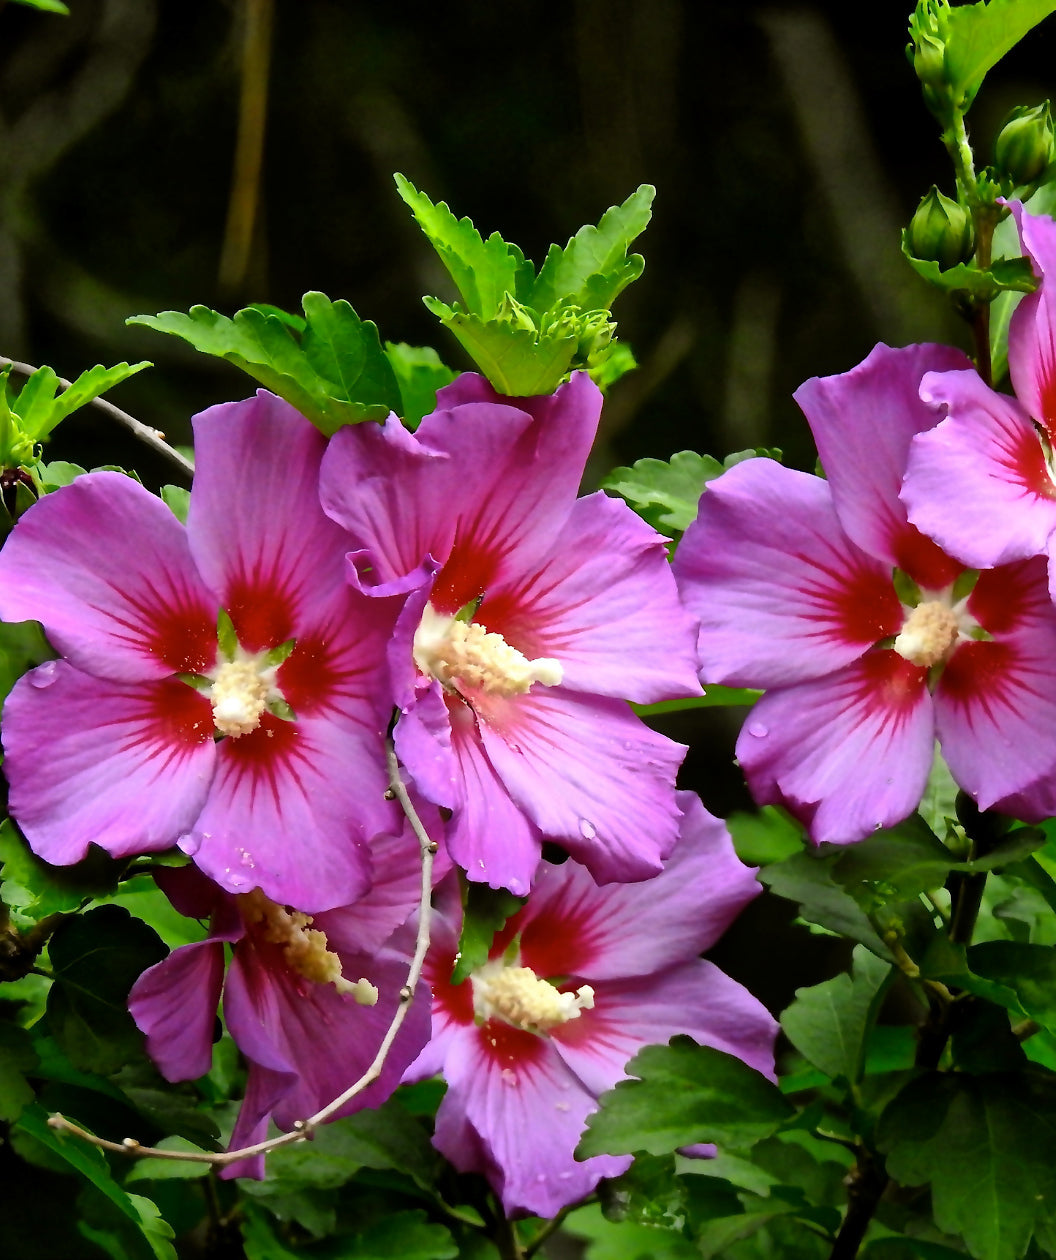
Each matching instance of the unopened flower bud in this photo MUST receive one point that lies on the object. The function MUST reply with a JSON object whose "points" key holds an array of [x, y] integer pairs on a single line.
{"points": [[929, 60], [941, 231], [1024, 145]]}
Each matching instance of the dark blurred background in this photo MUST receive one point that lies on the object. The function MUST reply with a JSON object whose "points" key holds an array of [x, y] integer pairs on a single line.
{"points": [[788, 145]]}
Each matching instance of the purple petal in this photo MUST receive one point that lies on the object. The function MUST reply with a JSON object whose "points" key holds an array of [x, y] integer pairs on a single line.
{"points": [[781, 593], [848, 753], [423, 743], [311, 779], [571, 926], [863, 422], [588, 774], [995, 703], [174, 1003], [515, 1113], [255, 526], [977, 483], [695, 998], [126, 766], [104, 565], [603, 602], [1032, 330]]}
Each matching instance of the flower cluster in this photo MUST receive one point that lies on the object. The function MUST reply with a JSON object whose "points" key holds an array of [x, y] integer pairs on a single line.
{"points": [[904, 599], [225, 686]]}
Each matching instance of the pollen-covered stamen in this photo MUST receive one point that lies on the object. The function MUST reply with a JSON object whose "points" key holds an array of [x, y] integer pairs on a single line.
{"points": [[519, 997], [239, 696], [304, 947], [928, 633], [464, 654]]}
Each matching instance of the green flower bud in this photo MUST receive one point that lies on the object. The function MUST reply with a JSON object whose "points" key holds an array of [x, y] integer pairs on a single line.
{"points": [[941, 231], [1024, 145], [516, 313], [929, 60]]}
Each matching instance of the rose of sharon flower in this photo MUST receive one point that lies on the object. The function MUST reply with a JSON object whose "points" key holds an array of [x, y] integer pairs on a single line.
{"points": [[530, 617], [307, 998], [261, 755], [792, 578], [983, 481], [576, 984]]}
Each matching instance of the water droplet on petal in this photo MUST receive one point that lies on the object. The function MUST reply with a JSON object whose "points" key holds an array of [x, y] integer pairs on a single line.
{"points": [[587, 829], [509, 1076], [44, 675], [758, 730]]}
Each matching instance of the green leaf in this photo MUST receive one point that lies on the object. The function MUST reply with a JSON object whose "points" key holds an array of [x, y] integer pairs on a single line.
{"points": [[419, 374], [336, 374], [686, 1094], [517, 361], [940, 795], [594, 268], [715, 697], [22, 646], [88, 1161], [96, 957], [46, 6], [1006, 244], [766, 836], [46, 411], [1028, 970], [37, 890], [17, 1057], [58, 473], [666, 493], [404, 1236], [829, 1024], [178, 500], [986, 1145], [807, 879], [484, 912], [168, 1169], [980, 286], [978, 35]]}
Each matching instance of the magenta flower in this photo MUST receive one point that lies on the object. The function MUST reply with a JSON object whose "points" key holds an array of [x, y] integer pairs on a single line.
{"points": [[982, 482], [530, 617], [577, 983], [306, 998], [265, 763], [791, 577]]}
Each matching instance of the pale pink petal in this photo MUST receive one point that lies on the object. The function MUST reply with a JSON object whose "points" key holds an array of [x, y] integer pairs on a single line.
{"points": [[122, 765], [571, 926], [978, 483], [863, 422], [588, 774], [995, 703], [695, 998], [605, 607], [290, 810], [256, 529], [848, 753], [104, 565], [174, 1004], [781, 593], [514, 1112]]}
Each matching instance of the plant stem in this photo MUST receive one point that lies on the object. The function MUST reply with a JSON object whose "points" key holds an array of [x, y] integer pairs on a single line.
{"points": [[866, 1184]]}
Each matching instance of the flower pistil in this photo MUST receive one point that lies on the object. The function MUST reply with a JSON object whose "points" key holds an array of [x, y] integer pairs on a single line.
{"points": [[519, 997]]}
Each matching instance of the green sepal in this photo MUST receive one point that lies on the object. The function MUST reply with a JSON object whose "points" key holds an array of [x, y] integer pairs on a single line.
{"points": [[970, 282], [685, 1093], [198, 681], [484, 912], [516, 360], [335, 374], [276, 655], [281, 709], [226, 638]]}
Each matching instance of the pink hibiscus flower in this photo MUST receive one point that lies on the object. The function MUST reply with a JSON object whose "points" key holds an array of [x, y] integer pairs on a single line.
{"points": [[576, 984], [530, 617], [265, 763], [982, 482], [290, 976], [791, 577]]}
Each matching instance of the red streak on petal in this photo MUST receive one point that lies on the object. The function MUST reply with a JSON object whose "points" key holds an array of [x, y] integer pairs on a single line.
{"points": [[175, 715], [1022, 454], [511, 1047], [924, 560], [560, 940], [469, 571], [173, 626], [891, 683], [267, 759], [979, 674], [309, 676], [1047, 393], [1003, 598], [260, 611], [858, 606], [455, 1000]]}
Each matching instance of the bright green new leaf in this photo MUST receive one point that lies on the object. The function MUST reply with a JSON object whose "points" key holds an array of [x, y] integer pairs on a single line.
{"points": [[89, 1162], [979, 35], [518, 361], [336, 374], [686, 1094], [594, 267], [987, 1146], [46, 6], [829, 1024], [419, 374], [485, 911], [47, 411]]}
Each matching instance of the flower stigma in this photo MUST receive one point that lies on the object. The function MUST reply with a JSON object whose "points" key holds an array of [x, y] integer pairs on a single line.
{"points": [[928, 633], [239, 696], [517, 996], [464, 654], [304, 948]]}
